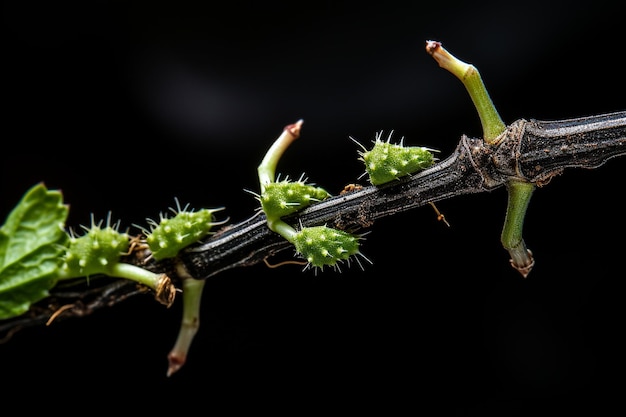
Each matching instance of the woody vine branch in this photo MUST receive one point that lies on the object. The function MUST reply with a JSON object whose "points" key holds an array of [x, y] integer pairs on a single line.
{"points": [[532, 150], [178, 254], [529, 150]]}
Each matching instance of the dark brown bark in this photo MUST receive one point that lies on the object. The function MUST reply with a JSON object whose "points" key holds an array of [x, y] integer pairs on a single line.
{"points": [[529, 150]]}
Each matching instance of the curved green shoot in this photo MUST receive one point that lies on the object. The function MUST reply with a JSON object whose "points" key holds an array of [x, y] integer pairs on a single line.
{"points": [[320, 245], [492, 124], [519, 192]]}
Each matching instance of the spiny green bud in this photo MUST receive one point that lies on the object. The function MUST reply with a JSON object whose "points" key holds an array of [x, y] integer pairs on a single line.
{"points": [[322, 245], [96, 252], [386, 161], [285, 197], [171, 235]]}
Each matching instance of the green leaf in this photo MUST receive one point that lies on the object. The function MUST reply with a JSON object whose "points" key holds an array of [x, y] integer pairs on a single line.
{"points": [[32, 241]]}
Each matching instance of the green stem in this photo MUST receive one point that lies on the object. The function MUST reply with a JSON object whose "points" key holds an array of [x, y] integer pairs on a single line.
{"points": [[282, 228], [190, 323], [519, 194], [120, 270], [161, 284], [267, 168], [492, 124], [138, 274]]}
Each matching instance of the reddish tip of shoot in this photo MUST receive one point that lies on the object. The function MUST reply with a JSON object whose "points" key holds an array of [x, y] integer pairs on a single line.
{"points": [[432, 46], [176, 361], [294, 128], [445, 59]]}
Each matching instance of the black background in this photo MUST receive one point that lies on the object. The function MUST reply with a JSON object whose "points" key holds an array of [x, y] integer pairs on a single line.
{"points": [[126, 105]]}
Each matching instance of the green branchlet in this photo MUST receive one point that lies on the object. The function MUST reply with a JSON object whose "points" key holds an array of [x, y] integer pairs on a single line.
{"points": [[320, 245], [36, 252], [519, 192], [99, 252], [492, 124]]}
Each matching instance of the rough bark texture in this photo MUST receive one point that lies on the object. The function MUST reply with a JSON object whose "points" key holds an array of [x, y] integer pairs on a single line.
{"points": [[529, 150]]}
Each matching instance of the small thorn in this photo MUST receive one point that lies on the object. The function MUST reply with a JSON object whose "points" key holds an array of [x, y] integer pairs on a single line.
{"points": [[440, 216]]}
